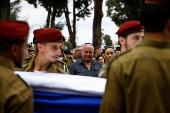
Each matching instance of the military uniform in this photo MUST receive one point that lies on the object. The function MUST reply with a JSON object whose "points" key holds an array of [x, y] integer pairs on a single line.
{"points": [[30, 67], [15, 95], [139, 81], [61, 65], [27, 60], [68, 60], [65, 62]]}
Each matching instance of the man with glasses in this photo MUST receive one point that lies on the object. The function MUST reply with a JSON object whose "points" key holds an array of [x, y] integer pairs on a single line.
{"points": [[86, 66]]}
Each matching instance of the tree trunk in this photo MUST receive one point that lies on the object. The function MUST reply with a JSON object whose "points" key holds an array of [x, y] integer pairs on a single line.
{"points": [[53, 17], [98, 14], [48, 17], [4, 9], [74, 25], [66, 12]]}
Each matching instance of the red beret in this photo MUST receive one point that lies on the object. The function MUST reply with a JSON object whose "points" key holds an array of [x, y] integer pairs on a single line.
{"points": [[156, 1], [129, 27], [13, 30], [48, 35]]}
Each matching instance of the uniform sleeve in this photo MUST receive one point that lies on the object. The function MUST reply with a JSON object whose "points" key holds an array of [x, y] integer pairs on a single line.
{"points": [[113, 98], [16, 100], [72, 70]]}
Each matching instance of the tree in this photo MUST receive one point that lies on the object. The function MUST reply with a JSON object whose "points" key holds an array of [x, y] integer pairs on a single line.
{"points": [[54, 8], [121, 11], [14, 10], [82, 8], [107, 40], [98, 14], [9, 10]]}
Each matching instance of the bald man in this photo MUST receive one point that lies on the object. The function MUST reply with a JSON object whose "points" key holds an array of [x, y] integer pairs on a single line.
{"points": [[86, 66]]}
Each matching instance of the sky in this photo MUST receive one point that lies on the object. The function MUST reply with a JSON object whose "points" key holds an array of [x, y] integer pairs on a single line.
{"points": [[36, 17]]}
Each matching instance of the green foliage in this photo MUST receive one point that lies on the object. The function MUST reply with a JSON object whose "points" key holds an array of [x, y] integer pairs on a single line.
{"points": [[107, 40], [83, 8], [59, 26], [121, 11], [14, 10]]}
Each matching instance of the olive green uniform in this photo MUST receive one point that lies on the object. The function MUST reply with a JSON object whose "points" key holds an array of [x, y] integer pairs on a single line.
{"points": [[139, 81], [102, 72], [15, 95], [68, 60], [61, 65], [65, 62], [30, 67]]}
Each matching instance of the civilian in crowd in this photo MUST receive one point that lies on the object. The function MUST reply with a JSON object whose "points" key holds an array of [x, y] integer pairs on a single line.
{"points": [[86, 66], [15, 95], [108, 55], [31, 53], [73, 54], [97, 51], [117, 52], [78, 53], [100, 58], [138, 81], [48, 48]]}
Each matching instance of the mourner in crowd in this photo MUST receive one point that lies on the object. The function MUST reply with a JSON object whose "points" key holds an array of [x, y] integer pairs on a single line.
{"points": [[73, 54], [31, 53], [100, 58], [15, 95], [138, 81], [86, 66], [78, 53]]}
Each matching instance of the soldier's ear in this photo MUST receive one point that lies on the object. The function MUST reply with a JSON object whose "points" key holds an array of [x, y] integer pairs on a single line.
{"points": [[122, 40], [39, 46], [14, 50]]}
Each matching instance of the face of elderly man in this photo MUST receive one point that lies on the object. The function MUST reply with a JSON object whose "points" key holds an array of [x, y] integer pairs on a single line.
{"points": [[87, 53]]}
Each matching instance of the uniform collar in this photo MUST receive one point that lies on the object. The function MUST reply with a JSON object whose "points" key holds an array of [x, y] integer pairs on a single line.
{"points": [[154, 43], [7, 63]]}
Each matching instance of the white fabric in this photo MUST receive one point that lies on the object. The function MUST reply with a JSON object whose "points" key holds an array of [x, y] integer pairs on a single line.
{"points": [[60, 58], [64, 83]]}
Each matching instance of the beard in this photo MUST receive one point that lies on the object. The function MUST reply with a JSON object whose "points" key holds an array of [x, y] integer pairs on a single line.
{"points": [[20, 60]]}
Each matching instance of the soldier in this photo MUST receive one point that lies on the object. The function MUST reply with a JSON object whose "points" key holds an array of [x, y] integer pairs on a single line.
{"points": [[139, 80], [130, 34], [15, 95], [64, 60], [48, 49]]}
